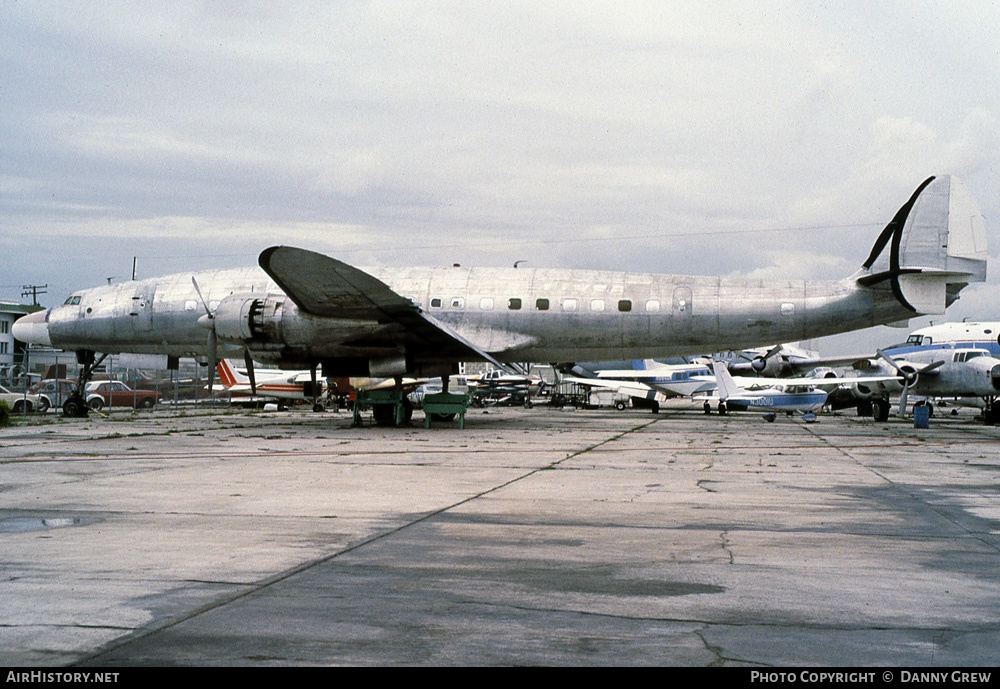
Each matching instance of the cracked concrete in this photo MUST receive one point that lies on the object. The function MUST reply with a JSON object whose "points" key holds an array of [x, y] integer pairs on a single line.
{"points": [[533, 537]]}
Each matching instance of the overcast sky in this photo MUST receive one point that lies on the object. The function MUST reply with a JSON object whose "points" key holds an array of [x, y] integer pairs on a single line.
{"points": [[765, 139]]}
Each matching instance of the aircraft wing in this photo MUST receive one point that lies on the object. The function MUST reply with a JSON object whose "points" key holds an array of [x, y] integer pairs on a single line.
{"points": [[323, 286], [628, 387], [750, 383], [640, 388]]}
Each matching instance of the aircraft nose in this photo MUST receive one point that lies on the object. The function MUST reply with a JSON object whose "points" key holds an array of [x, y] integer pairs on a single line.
{"points": [[32, 328]]}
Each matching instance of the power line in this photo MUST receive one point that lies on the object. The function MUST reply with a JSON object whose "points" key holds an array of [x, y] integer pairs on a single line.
{"points": [[33, 291], [575, 240]]}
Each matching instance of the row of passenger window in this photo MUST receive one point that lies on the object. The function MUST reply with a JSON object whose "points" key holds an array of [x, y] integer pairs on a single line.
{"points": [[566, 305]]}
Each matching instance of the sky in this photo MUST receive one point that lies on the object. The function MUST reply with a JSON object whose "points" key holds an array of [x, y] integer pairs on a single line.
{"points": [[765, 139]]}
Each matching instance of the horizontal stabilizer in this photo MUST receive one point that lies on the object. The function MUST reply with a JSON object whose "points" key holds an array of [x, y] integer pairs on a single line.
{"points": [[935, 244], [927, 292]]}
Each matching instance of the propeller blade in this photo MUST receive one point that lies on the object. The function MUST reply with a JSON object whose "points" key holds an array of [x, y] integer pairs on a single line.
{"points": [[902, 400], [931, 367], [250, 372], [885, 357], [760, 363], [203, 302], [213, 346]]}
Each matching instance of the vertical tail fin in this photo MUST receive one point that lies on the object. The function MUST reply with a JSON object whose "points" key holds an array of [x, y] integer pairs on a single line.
{"points": [[227, 376], [937, 246], [724, 381]]}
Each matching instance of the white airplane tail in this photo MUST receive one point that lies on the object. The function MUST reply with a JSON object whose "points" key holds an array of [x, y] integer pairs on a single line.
{"points": [[936, 246], [724, 381]]}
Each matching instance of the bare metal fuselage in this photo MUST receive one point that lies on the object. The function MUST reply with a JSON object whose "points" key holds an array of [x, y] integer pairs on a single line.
{"points": [[301, 307], [514, 314]]}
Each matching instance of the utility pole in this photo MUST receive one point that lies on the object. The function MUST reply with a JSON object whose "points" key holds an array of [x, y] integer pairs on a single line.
{"points": [[34, 291]]}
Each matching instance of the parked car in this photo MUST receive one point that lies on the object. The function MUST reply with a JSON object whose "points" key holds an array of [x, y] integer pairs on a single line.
{"points": [[21, 403], [113, 393], [52, 392]]}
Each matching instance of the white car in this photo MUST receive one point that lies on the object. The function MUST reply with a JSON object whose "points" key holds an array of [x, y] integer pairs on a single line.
{"points": [[21, 403]]}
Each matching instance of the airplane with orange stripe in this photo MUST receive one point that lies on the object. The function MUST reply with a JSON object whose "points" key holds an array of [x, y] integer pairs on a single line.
{"points": [[281, 385]]}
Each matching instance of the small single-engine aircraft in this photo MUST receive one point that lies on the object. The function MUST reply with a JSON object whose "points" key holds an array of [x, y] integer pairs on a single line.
{"points": [[302, 309], [283, 386], [780, 395]]}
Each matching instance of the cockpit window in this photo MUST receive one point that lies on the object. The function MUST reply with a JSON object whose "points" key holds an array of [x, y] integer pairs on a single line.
{"points": [[72, 300]]}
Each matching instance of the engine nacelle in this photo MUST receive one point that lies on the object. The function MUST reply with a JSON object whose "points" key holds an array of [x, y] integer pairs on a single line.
{"points": [[388, 367], [863, 391], [775, 366], [243, 318]]}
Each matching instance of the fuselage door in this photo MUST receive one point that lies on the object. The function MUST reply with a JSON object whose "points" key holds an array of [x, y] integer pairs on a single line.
{"points": [[141, 311]]}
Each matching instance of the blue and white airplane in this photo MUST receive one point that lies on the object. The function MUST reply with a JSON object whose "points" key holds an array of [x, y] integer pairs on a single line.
{"points": [[789, 395], [979, 335]]}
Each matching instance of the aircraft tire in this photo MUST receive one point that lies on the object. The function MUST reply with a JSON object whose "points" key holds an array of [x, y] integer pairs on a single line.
{"points": [[722, 409], [708, 408], [384, 414], [74, 408], [880, 410], [865, 408], [318, 407]]}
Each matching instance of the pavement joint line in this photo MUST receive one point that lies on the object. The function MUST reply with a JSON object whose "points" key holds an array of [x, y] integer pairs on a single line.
{"points": [[903, 489], [250, 589], [939, 632]]}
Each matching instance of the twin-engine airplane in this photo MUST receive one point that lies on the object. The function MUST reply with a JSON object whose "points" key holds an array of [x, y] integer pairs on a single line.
{"points": [[931, 372], [303, 309]]}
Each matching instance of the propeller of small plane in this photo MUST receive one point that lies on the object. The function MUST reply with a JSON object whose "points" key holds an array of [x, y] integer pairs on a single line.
{"points": [[909, 377]]}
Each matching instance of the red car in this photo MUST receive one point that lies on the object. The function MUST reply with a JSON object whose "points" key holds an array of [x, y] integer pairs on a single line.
{"points": [[112, 393]]}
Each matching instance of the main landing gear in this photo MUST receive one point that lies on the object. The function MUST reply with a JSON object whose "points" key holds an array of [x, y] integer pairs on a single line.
{"points": [[76, 405], [880, 409]]}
